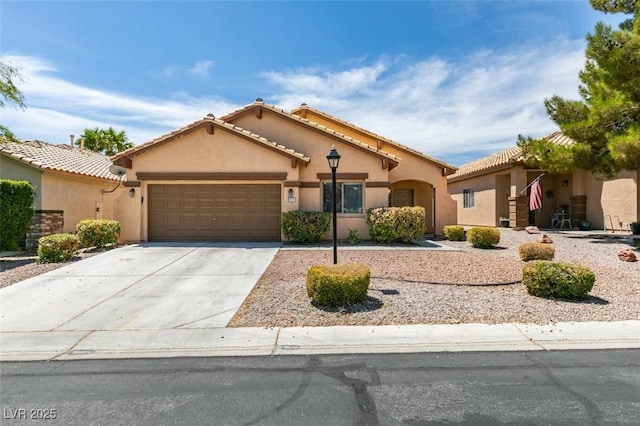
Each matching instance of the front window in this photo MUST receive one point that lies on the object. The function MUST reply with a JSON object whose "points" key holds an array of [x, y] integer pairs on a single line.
{"points": [[468, 198], [349, 197]]}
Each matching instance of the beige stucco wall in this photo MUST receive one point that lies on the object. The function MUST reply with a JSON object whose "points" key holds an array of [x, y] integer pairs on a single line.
{"points": [[616, 197], [314, 144], [78, 197], [15, 170], [483, 213]]}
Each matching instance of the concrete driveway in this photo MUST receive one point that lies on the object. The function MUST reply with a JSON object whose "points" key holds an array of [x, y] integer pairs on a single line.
{"points": [[146, 286]]}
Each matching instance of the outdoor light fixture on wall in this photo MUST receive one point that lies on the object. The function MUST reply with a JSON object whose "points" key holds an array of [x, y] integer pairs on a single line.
{"points": [[132, 192], [565, 183]]}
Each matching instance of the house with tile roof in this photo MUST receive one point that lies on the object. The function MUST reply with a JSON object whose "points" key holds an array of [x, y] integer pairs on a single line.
{"points": [[71, 184], [230, 178], [496, 186]]}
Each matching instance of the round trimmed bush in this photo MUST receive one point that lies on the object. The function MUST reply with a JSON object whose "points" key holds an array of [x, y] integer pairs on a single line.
{"points": [[536, 251], [338, 285], [98, 232], [453, 232], [483, 237], [556, 279], [57, 248]]}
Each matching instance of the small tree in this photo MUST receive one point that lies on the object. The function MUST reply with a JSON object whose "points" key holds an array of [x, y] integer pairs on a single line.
{"points": [[9, 93], [16, 211], [605, 123]]}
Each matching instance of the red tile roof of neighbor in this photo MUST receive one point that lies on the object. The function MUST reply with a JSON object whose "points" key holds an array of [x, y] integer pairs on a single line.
{"points": [[502, 159], [204, 123], [373, 135], [260, 103], [59, 158]]}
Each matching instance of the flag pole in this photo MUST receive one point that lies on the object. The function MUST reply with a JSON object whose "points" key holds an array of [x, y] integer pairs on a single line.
{"points": [[527, 187]]}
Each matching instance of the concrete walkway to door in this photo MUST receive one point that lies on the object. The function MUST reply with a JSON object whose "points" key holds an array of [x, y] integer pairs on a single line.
{"points": [[146, 286]]}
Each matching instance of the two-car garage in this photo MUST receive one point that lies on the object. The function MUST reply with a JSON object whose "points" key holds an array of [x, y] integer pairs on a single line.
{"points": [[214, 212]]}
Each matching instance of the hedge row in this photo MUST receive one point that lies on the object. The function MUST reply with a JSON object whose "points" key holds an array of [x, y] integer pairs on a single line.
{"points": [[16, 211]]}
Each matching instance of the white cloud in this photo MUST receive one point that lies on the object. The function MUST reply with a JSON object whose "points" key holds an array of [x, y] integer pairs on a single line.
{"points": [[200, 68], [454, 110], [57, 108]]}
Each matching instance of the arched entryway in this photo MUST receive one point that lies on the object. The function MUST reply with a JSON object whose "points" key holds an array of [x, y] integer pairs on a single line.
{"points": [[415, 193]]}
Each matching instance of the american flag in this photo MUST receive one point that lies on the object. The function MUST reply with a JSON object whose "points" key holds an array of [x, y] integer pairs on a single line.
{"points": [[535, 196]]}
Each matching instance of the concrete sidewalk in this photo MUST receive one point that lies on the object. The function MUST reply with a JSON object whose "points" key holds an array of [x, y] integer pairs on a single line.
{"points": [[202, 342]]}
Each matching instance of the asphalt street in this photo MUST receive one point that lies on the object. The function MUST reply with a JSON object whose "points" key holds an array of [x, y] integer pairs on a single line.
{"points": [[595, 387]]}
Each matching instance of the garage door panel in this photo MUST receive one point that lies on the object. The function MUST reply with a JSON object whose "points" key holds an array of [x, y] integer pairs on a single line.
{"points": [[241, 212]]}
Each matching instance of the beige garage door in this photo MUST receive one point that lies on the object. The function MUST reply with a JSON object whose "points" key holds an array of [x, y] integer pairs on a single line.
{"points": [[214, 212]]}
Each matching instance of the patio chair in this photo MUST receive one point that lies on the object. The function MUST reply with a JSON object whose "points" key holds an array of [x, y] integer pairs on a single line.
{"points": [[566, 220]]}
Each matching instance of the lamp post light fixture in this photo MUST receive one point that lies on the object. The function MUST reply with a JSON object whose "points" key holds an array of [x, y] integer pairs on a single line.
{"points": [[334, 159]]}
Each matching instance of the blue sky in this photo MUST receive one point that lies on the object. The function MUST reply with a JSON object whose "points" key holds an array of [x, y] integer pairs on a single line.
{"points": [[456, 80]]}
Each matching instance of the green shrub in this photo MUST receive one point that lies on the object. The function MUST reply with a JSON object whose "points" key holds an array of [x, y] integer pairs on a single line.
{"points": [[338, 285], [483, 237], [305, 227], [98, 233], [536, 251], [16, 211], [57, 248], [454, 232], [353, 237], [556, 279], [390, 224]]}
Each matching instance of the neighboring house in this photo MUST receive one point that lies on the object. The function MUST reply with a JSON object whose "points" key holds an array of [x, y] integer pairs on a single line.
{"points": [[493, 186], [69, 183], [231, 178]]}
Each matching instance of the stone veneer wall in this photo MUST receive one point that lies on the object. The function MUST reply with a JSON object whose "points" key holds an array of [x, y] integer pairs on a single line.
{"points": [[45, 222]]}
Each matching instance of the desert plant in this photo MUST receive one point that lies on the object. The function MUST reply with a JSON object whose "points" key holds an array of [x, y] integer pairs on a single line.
{"points": [[342, 284], [390, 224], [305, 227], [57, 248], [16, 211], [98, 233], [483, 237], [453, 232], [353, 237], [556, 279], [536, 251]]}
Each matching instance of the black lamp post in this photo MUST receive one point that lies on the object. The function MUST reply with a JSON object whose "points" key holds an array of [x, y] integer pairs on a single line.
{"points": [[334, 159]]}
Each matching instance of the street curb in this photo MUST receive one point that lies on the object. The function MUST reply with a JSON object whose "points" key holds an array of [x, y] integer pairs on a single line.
{"points": [[207, 342]]}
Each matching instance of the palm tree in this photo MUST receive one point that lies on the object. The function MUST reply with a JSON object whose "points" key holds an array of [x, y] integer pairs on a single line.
{"points": [[106, 141]]}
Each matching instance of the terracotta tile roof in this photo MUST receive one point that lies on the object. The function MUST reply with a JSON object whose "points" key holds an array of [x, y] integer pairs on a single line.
{"points": [[204, 123], [259, 103], [503, 159], [303, 107], [61, 158]]}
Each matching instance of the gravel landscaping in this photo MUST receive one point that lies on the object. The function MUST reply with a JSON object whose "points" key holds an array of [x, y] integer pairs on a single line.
{"points": [[408, 286], [466, 285], [14, 269]]}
